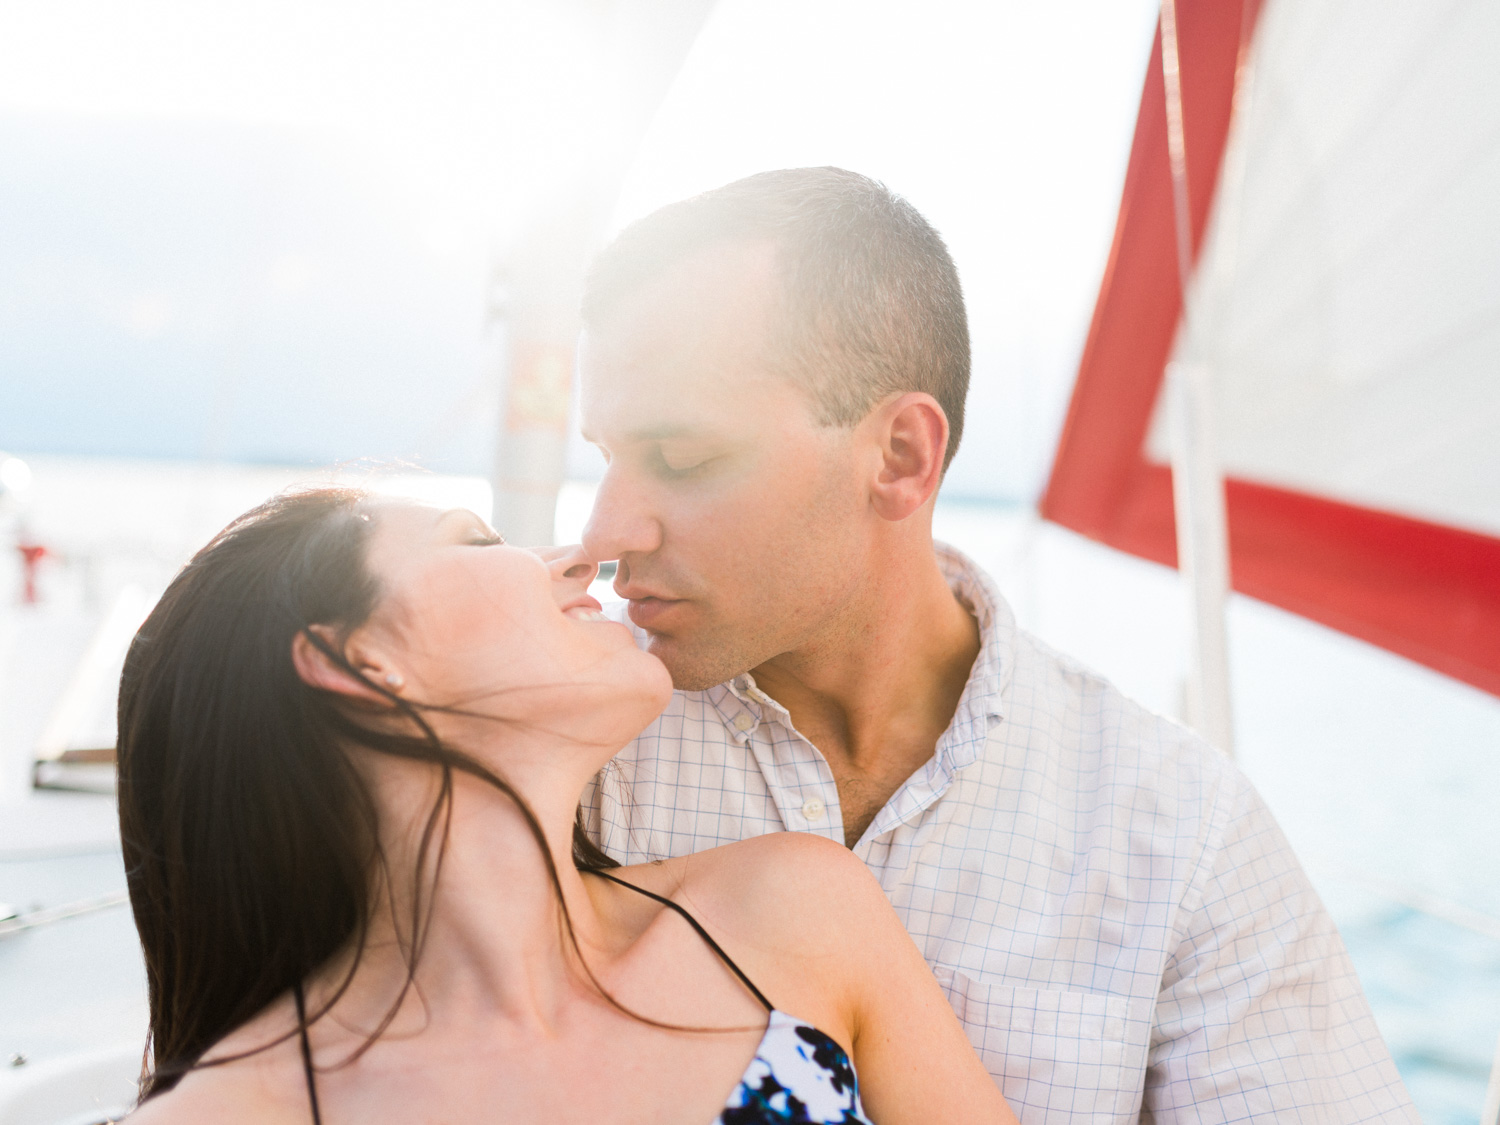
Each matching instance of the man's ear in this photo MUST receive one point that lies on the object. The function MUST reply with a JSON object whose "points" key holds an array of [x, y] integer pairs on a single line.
{"points": [[318, 670], [913, 434]]}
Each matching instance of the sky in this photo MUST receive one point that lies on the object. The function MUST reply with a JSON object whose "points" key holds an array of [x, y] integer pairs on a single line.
{"points": [[264, 231]]}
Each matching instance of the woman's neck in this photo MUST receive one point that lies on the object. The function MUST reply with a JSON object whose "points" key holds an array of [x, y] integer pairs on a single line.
{"points": [[491, 930]]}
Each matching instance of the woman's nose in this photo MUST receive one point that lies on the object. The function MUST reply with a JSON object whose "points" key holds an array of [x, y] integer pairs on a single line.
{"points": [[571, 564]]}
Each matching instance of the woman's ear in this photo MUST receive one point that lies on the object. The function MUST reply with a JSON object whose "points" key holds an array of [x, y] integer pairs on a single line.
{"points": [[318, 670]]}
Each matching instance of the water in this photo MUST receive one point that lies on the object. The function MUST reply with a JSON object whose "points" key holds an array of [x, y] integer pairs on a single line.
{"points": [[75, 984], [1384, 775]]}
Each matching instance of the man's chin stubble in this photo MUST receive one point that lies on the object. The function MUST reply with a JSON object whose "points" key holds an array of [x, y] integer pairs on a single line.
{"points": [[693, 671]]}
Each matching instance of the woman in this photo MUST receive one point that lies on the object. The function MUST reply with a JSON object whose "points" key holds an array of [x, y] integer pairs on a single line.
{"points": [[353, 736]]}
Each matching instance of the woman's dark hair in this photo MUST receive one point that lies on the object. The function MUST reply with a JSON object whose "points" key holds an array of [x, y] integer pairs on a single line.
{"points": [[251, 841]]}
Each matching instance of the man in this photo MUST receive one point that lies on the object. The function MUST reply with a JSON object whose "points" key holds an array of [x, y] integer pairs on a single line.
{"points": [[775, 372]]}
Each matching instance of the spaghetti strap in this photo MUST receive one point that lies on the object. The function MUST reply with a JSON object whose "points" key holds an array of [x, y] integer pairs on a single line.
{"points": [[307, 1066], [691, 921]]}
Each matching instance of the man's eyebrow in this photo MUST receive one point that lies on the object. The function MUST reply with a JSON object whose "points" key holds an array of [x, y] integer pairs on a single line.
{"points": [[668, 432]]}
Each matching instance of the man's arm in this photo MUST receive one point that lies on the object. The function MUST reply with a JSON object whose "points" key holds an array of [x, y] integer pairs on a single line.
{"points": [[1260, 1015]]}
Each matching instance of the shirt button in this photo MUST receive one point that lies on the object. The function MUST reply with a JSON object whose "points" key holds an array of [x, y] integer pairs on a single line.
{"points": [[812, 808], [743, 721]]}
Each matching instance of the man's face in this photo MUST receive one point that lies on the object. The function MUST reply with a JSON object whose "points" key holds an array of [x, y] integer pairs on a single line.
{"points": [[733, 513]]}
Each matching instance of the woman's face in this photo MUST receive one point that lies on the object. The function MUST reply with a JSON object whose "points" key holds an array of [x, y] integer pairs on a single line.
{"points": [[470, 623]]}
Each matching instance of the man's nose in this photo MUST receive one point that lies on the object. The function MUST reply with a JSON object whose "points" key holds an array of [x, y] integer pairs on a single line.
{"points": [[621, 523]]}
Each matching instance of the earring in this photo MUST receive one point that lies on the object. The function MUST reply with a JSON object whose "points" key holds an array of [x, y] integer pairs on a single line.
{"points": [[394, 681]]}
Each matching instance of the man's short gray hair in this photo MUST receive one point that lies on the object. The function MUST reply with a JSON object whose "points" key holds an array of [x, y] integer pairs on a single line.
{"points": [[872, 299]]}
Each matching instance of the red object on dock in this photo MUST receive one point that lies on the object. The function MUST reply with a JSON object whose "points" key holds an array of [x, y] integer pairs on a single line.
{"points": [[31, 556]]}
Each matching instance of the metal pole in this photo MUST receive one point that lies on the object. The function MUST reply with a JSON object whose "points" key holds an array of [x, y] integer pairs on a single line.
{"points": [[1197, 482], [530, 460], [641, 45], [535, 287], [1202, 549]]}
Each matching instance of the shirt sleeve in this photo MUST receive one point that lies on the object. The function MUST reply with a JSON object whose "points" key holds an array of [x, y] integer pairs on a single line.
{"points": [[1260, 1015]]}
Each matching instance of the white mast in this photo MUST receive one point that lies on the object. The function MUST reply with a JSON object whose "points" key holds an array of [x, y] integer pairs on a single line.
{"points": [[537, 282], [1197, 480]]}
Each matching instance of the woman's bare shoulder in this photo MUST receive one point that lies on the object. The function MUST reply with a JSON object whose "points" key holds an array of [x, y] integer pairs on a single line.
{"points": [[228, 1095], [767, 868], [780, 890], [266, 1087]]}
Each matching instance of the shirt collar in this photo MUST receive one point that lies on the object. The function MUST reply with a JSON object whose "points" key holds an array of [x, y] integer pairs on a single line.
{"points": [[743, 706], [982, 703]]}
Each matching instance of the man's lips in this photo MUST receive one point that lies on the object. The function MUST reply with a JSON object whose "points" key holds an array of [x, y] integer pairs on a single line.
{"points": [[653, 613], [650, 608]]}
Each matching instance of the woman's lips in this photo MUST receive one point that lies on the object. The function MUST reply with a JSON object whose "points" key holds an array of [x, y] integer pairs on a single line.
{"points": [[583, 602], [653, 613]]}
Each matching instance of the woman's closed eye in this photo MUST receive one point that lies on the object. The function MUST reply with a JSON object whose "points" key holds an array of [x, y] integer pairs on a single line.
{"points": [[492, 539]]}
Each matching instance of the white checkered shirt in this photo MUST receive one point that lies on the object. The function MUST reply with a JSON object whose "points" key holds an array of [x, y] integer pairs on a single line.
{"points": [[1115, 916]]}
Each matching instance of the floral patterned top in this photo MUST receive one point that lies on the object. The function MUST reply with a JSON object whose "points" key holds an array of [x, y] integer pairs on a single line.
{"points": [[798, 1075]]}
